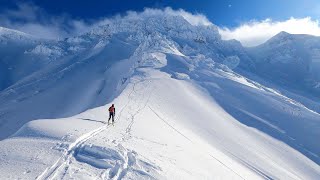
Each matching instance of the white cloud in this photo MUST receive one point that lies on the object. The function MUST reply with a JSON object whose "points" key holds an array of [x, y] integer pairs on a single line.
{"points": [[194, 19], [31, 19], [256, 32]]}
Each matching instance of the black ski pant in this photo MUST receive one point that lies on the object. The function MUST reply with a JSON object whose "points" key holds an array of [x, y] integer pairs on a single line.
{"points": [[111, 114]]}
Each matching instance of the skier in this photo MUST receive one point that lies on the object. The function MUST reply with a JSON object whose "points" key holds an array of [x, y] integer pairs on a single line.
{"points": [[112, 113]]}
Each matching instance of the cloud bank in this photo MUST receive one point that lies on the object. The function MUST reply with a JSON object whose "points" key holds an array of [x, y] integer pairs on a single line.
{"points": [[256, 32]]}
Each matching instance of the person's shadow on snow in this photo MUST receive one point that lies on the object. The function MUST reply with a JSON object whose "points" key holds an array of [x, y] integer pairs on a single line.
{"points": [[92, 120]]}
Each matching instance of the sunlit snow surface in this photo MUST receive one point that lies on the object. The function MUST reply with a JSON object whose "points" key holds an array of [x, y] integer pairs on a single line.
{"points": [[181, 112]]}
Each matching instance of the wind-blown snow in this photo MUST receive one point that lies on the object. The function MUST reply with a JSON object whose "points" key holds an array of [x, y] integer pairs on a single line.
{"points": [[182, 110]]}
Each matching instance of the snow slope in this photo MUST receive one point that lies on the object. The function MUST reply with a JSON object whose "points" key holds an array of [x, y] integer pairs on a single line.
{"points": [[181, 111], [155, 136], [15, 62], [290, 59]]}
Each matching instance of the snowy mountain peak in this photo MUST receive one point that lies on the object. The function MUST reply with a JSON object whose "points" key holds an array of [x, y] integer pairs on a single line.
{"points": [[286, 38], [282, 34], [173, 25]]}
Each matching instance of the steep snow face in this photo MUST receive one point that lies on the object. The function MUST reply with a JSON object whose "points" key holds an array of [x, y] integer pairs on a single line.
{"points": [[69, 85], [290, 59], [189, 39], [15, 63]]}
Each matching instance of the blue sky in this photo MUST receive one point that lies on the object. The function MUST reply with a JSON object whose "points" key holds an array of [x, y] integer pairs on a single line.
{"points": [[59, 17], [228, 13]]}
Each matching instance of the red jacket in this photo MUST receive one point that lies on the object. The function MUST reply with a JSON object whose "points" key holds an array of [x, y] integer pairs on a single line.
{"points": [[112, 109]]}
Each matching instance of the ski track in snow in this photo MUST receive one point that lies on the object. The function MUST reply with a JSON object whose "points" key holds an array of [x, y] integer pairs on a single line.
{"points": [[120, 170], [128, 129], [50, 173], [116, 172], [124, 164]]}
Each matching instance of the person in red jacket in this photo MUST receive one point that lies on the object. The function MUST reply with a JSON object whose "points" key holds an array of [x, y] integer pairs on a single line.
{"points": [[112, 113]]}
